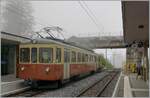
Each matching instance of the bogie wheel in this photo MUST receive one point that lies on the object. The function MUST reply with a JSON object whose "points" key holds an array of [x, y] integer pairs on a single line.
{"points": [[34, 84], [59, 83]]}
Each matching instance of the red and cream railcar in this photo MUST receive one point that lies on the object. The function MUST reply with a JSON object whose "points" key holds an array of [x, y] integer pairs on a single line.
{"points": [[52, 60]]}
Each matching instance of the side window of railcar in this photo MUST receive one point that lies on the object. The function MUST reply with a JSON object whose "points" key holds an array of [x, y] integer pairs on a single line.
{"points": [[83, 57], [95, 58], [34, 55], [73, 57], [24, 55], [66, 56], [86, 57], [58, 55], [79, 57], [45, 55], [91, 58]]}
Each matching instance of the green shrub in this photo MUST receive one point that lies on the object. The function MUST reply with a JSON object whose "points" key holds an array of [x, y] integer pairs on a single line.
{"points": [[105, 63]]}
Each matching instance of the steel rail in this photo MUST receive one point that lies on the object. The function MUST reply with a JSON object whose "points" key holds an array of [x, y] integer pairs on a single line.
{"points": [[89, 87], [27, 93], [94, 84], [106, 85]]}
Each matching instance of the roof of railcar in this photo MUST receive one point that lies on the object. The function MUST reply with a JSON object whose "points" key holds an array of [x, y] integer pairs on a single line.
{"points": [[56, 41]]}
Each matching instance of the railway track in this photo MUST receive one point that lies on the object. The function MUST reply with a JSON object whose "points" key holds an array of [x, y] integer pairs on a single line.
{"points": [[96, 89], [27, 93]]}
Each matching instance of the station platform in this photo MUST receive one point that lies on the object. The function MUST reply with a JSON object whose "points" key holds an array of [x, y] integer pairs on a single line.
{"points": [[129, 86], [10, 84]]}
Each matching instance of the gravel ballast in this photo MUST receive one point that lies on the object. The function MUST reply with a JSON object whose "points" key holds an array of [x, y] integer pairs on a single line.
{"points": [[74, 88]]}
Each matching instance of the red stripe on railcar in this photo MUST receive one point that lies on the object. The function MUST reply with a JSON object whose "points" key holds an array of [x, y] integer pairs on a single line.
{"points": [[38, 71], [76, 69]]}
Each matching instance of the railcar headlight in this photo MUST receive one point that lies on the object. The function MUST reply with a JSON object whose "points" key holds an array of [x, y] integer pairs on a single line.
{"points": [[22, 68], [47, 69]]}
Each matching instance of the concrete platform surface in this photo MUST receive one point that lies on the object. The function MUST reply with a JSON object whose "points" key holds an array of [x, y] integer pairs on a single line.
{"points": [[9, 78], [139, 87], [119, 89], [129, 86], [10, 84], [137, 83], [140, 93]]}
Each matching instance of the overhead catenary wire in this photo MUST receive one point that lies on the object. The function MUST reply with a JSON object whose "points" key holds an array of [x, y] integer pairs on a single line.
{"points": [[92, 13], [93, 20]]}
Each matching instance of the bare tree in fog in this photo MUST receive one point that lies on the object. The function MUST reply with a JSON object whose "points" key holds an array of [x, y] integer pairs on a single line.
{"points": [[17, 17]]}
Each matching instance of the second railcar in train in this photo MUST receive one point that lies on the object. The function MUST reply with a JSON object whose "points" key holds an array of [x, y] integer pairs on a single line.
{"points": [[50, 60]]}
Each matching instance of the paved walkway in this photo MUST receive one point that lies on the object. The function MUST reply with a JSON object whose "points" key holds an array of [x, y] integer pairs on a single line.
{"points": [[129, 86], [11, 84], [139, 87], [119, 89], [9, 78]]}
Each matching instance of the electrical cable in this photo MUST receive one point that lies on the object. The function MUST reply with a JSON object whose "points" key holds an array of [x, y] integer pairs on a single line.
{"points": [[89, 15]]}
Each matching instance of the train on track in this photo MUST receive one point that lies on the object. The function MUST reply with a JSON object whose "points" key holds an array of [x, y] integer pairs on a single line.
{"points": [[54, 60]]}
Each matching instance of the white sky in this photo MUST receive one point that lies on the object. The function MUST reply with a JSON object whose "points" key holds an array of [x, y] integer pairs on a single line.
{"points": [[70, 16]]}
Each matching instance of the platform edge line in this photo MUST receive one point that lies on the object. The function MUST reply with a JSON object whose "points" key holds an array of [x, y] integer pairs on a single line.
{"points": [[114, 93]]}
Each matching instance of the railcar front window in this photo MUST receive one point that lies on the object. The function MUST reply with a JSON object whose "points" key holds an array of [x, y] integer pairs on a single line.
{"points": [[34, 55], [24, 55], [45, 55]]}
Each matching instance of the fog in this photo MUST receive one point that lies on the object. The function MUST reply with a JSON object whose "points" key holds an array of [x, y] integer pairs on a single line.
{"points": [[116, 56], [76, 18], [70, 16]]}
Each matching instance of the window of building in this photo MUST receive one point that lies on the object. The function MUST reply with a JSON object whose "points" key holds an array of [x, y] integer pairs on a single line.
{"points": [[58, 55], [24, 55], [34, 55], [46, 55], [79, 57], [73, 58]]}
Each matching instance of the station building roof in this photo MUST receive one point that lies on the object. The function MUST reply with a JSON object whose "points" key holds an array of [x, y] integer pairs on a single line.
{"points": [[135, 21], [12, 39]]}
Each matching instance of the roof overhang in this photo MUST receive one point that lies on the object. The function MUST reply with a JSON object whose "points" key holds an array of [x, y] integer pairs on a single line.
{"points": [[135, 21], [8, 38]]}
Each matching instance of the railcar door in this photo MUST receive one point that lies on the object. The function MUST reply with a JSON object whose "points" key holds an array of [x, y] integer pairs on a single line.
{"points": [[66, 63]]}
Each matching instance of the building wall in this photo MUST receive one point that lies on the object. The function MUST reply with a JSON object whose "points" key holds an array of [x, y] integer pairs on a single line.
{"points": [[8, 54], [12, 60]]}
